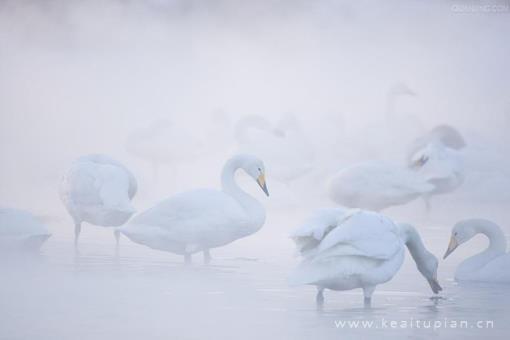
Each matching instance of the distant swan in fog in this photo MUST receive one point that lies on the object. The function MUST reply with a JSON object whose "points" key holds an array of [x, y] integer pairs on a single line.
{"points": [[344, 249], [20, 230], [376, 185], [445, 135], [491, 265], [201, 219], [162, 142], [440, 166], [284, 147], [98, 189]]}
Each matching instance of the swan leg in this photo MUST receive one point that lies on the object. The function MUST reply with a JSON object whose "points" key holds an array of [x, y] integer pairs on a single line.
{"points": [[77, 230], [319, 299], [116, 233], [426, 200], [207, 256], [187, 258], [367, 292]]}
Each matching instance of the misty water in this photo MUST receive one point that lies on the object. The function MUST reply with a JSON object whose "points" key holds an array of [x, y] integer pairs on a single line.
{"points": [[84, 77]]}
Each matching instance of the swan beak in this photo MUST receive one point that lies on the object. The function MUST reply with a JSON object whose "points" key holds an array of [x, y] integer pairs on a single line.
{"points": [[262, 183], [451, 247]]}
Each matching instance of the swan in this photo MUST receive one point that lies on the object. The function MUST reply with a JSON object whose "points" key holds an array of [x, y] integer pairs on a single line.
{"points": [[284, 147], [201, 219], [491, 265], [344, 249], [376, 185], [439, 165], [162, 142], [443, 134], [21, 230], [98, 189]]}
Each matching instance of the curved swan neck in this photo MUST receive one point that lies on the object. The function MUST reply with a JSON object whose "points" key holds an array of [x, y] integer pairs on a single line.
{"points": [[228, 184], [414, 243], [497, 240]]}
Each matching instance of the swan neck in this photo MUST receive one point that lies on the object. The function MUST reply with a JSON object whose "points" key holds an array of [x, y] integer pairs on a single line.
{"points": [[414, 244], [228, 184], [497, 240]]}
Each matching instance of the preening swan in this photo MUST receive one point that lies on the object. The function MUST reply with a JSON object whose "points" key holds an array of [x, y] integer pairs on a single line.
{"points": [[376, 185], [20, 230], [440, 166], [491, 265], [98, 189], [344, 249], [445, 135], [201, 219]]}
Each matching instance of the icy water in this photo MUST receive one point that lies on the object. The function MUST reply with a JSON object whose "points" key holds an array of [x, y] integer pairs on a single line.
{"points": [[242, 294]]}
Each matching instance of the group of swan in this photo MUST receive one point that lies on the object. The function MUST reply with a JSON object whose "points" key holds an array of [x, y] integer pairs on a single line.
{"points": [[434, 167], [343, 249]]}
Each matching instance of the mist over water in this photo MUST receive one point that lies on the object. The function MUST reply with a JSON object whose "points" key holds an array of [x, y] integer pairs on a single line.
{"points": [[84, 77]]}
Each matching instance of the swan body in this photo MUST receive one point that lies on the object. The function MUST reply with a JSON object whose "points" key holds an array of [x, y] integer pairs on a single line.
{"points": [[98, 189], [491, 265], [20, 230], [201, 219], [376, 185], [344, 249], [284, 147]]}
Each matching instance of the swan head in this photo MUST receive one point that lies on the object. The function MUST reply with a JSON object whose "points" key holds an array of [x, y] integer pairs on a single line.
{"points": [[254, 167], [428, 268], [461, 233]]}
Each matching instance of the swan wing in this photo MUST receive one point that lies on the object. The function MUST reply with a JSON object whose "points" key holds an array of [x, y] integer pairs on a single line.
{"points": [[308, 236], [364, 233]]}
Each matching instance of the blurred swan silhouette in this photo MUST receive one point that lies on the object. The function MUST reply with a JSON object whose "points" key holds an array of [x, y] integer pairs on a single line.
{"points": [[162, 142], [437, 158], [285, 148], [344, 249], [20, 230], [392, 127], [376, 185], [491, 265], [98, 189], [201, 219]]}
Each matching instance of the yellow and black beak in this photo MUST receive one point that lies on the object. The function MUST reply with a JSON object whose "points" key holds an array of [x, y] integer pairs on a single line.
{"points": [[451, 246], [261, 180]]}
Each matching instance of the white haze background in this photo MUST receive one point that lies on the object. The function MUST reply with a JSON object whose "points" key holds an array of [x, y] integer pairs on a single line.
{"points": [[77, 77]]}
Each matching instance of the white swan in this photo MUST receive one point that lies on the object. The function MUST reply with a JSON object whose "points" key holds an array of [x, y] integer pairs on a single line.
{"points": [[444, 134], [346, 249], [201, 219], [162, 142], [98, 189], [376, 185], [491, 265], [285, 147], [440, 166], [20, 230]]}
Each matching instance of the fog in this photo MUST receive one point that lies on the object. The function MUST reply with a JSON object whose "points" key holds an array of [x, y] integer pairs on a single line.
{"points": [[82, 77]]}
